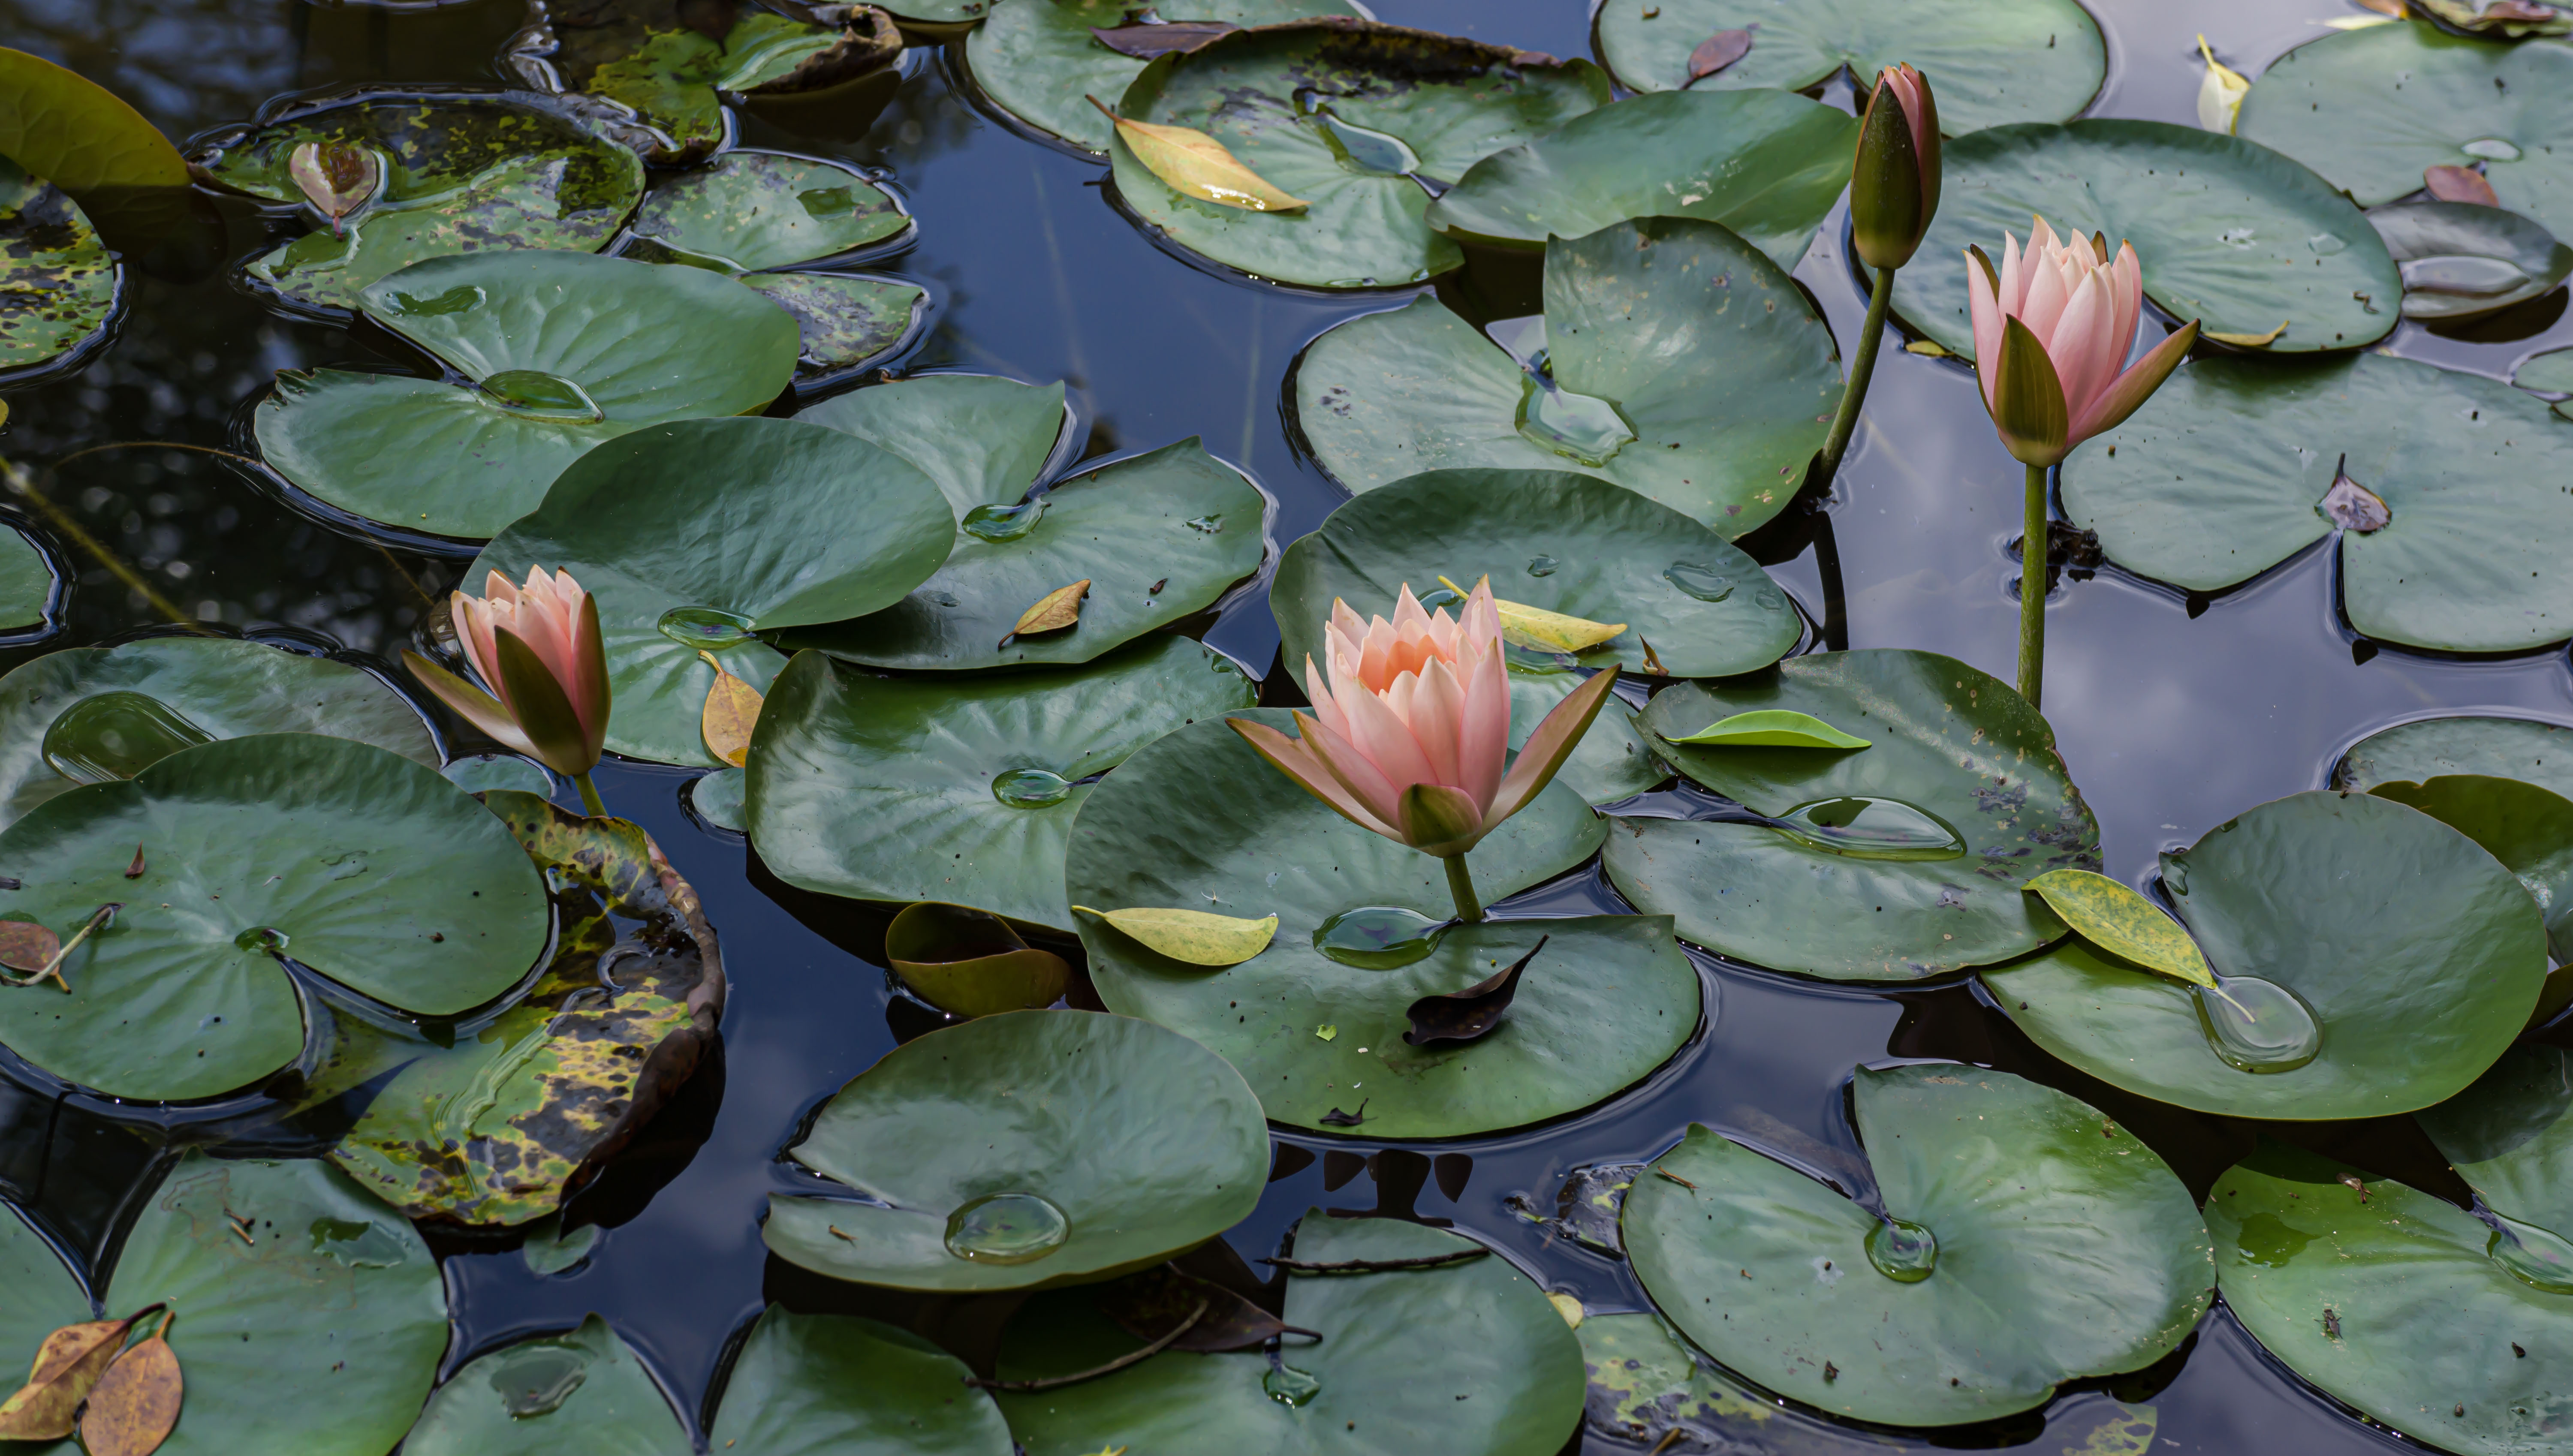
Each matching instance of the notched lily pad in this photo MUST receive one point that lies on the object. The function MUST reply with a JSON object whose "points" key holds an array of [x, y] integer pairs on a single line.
{"points": [[1008, 1152], [1675, 360], [2461, 261], [970, 962], [59, 288], [454, 175]]}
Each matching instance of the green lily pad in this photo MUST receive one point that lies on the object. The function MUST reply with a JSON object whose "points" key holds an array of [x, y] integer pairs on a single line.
{"points": [[646, 345], [1025, 1150], [1563, 542], [1353, 117], [39, 1294], [1645, 1382], [2550, 372], [1958, 802], [2501, 748], [2417, 953], [2229, 234], [766, 523], [640, 54], [61, 125], [2510, 1138], [1158, 538], [986, 440], [296, 1291], [461, 174], [30, 592], [59, 286], [892, 789], [1153, 835], [1683, 365], [220, 687], [2470, 530], [1611, 762], [2387, 1299], [2462, 261], [2528, 829], [1767, 163], [547, 1393], [2063, 1248], [847, 321], [1468, 1356], [747, 211], [2372, 109], [718, 798], [485, 771], [2032, 60], [1040, 62], [499, 1126], [353, 857]]}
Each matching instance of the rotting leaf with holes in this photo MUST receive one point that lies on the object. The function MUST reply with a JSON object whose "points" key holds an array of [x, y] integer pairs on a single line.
{"points": [[1193, 935], [964, 789], [2128, 927], [111, 712], [503, 1124], [364, 867], [562, 351], [2032, 60], [1902, 861], [2450, 457], [2461, 261], [1613, 1000], [2416, 954], [1011, 1152], [970, 962], [2023, 1240], [59, 286], [1771, 728], [1502, 1377], [1677, 361], [1197, 165], [700, 533], [296, 1291], [2230, 234], [1365, 121]]}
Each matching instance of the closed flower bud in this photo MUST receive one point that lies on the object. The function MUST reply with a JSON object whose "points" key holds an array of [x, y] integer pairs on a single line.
{"points": [[1893, 186]]}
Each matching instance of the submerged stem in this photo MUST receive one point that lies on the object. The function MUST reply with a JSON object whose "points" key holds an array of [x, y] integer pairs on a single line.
{"points": [[589, 797], [1862, 367], [2032, 589], [1460, 884]]}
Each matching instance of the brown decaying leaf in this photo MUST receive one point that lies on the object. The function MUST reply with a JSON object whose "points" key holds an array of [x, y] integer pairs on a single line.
{"points": [[1144, 42], [1338, 1119], [1054, 611], [2459, 184], [135, 871], [1200, 166], [68, 1364], [1465, 1015], [1151, 1305], [1718, 51], [731, 712], [135, 1405], [27, 946]]}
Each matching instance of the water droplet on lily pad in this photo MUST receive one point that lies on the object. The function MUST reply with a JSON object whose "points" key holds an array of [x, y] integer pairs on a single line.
{"points": [[2257, 1026], [1004, 522], [1902, 1251], [828, 202], [1378, 937], [1290, 1386], [1007, 1228], [2324, 244], [261, 938], [1207, 524], [1031, 788], [116, 736], [1575, 426], [535, 394], [2492, 149], [1543, 565], [536, 1379], [1359, 149], [704, 628], [461, 298], [1703, 582], [2539, 1258], [1867, 828]]}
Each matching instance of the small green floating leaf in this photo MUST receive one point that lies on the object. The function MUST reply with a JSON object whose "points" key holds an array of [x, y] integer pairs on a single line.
{"points": [[1327, 1032], [1194, 936], [1773, 728], [2125, 924]]}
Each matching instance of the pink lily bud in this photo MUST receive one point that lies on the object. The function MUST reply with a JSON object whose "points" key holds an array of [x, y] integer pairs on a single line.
{"points": [[1893, 183], [2053, 324], [538, 647], [1410, 728]]}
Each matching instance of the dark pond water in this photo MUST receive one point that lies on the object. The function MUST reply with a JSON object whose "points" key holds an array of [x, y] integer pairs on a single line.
{"points": [[2173, 715]]}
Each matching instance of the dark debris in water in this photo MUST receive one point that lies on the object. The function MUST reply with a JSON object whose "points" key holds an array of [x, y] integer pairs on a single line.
{"points": [[1464, 1015]]}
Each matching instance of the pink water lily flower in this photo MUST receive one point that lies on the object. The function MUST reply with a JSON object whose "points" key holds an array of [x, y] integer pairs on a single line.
{"points": [[538, 648], [1410, 728], [2053, 326]]}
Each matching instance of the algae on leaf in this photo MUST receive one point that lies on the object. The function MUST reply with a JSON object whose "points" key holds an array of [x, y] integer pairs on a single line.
{"points": [[59, 288]]}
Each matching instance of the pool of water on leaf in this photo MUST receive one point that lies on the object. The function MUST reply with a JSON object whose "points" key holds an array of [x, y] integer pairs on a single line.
{"points": [[2173, 715]]}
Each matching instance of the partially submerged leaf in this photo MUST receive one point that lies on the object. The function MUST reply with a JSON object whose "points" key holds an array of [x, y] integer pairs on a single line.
{"points": [[68, 1364], [731, 712], [1718, 51], [2219, 97], [2125, 924], [135, 1405], [1144, 42], [2459, 260], [1149, 1306], [970, 963], [1196, 164], [1465, 1015], [1531, 626], [2248, 340], [1772, 728], [1054, 611], [2459, 184], [1194, 936]]}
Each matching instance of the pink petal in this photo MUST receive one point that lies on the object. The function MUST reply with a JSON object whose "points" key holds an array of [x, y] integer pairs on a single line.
{"points": [[1325, 706], [2013, 277], [1437, 719], [1918, 108], [1292, 758], [2048, 292], [1987, 323], [1483, 745], [2083, 337], [1385, 742], [1552, 742], [2133, 387], [2126, 284], [1348, 768]]}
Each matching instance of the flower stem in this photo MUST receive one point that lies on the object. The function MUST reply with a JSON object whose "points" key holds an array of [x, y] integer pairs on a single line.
{"points": [[2032, 589], [589, 797], [1862, 367], [1460, 883]]}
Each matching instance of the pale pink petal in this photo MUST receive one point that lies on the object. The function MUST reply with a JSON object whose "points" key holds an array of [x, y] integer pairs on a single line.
{"points": [[1438, 718], [1385, 742], [1408, 612], [2132, 387], [1293, 759], [473, 633], [1483, 619], [2083, 337], [1325, 706], [2127, 285], [1348, 766], [2048, 292], [2013, 277], [1986, 313], [1484, 744], [1907, 88]]}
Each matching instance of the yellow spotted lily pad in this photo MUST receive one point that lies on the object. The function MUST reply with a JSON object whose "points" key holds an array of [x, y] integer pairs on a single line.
{"points": [[2125, 924]]}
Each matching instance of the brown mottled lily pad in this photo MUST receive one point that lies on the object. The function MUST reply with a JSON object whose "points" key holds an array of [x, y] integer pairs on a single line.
{"points": [[502, 1127], [58, 285]]}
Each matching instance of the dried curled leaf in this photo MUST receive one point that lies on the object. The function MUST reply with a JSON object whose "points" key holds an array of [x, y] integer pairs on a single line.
{"points": [[1463, 1015], [1772, 728], [27, 946], [1544, 630], [135, 1405], [2219, 97], [2125, 924], [1197, 164], [1054, 611], [1193, 935], [68, 1364], [1718, 51], [2459, 184], [731, 712]]}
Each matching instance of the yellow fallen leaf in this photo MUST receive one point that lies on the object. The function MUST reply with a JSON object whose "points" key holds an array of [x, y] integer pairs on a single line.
{"points": [[1926, 349], [2249, 340], [1547, 631], [2219, 97], [1054, 611], [731, 712], [1197, 164], [1193, 935], [2125, 924], [1570, 1306], [135, 1405]]}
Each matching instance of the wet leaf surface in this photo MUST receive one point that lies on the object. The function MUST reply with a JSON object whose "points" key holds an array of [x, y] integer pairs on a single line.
{"points": [[748, 210], [1040, 1175], [537, 1394], [1469, 1014], [847, 321], [853, 1387], [970, 962], [2463, 260], [59, 286], [1144, 42], [2528, 828], [1151, 1303], [2116, 919]]}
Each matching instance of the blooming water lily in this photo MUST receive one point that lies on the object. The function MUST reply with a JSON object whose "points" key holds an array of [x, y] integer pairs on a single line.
{"points": [[539, 649]]}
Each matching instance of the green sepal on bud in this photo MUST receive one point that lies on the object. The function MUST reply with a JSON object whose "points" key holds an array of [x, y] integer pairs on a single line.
{"points": [[1893, 182]]}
